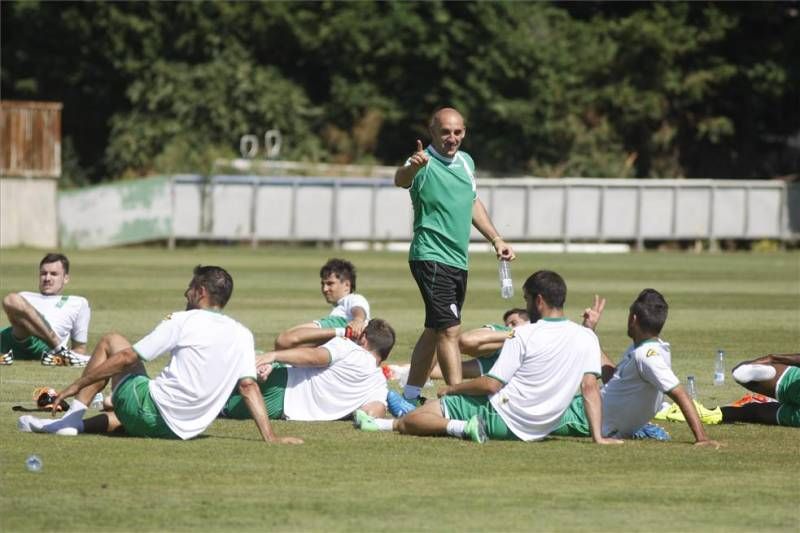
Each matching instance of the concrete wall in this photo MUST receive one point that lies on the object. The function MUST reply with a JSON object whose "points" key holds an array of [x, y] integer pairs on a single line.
{"points": [[258, 208], [28, 212], [124, 212]]}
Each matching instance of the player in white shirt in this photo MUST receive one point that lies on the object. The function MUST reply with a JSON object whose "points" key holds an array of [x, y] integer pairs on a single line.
{"points": [[326, 382], [350, 313], [635, 388], [525, 393], [44, 324], [211, 354]]}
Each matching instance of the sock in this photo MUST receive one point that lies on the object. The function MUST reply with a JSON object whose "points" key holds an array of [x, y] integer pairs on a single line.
{"points": [[77, 405], [455, 428], [385, 424], [411, 392], [73, 419], [748, 373]]}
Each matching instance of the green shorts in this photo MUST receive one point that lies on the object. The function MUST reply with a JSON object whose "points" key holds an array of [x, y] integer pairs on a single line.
{"points": [[788, 394], [487, 362], [273, 390], [573, 422], [458, 407], [136, 410], [32, 348], [331, 322]]}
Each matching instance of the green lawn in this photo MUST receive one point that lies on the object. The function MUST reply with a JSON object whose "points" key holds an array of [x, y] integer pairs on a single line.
{"points": [[343, 480]]}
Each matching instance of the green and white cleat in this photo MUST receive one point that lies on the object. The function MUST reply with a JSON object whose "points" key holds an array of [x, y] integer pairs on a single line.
{"points": [[364, 422], [475, 430]]}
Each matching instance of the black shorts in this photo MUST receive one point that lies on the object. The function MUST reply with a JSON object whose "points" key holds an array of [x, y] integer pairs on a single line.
{"points": [[443, 289]]}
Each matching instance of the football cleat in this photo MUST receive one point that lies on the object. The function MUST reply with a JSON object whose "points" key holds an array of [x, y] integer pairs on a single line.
{"points": [[707, 416], [364, 422], [652, 431], [44, 398], [7, 358], [64, 357], [400, 406], [666, 412], [475, 430], [752, 397]]}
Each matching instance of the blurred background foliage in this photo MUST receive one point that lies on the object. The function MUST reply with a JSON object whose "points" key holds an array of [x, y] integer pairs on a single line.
{"points": [[617, 89]]}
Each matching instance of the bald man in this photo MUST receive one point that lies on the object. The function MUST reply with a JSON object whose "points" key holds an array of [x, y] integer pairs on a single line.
{"points": [[441, 181]]}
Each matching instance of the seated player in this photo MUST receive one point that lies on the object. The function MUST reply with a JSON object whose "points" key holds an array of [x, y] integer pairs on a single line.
{"points": [[326, 382], [211, 354], [634, 389], [776, 376], [44, 323], [529, 387], [350, 310]]}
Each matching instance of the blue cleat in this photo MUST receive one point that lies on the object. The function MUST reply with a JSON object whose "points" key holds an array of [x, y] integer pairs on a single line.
{"points": [[652, 431], [399, 406]]}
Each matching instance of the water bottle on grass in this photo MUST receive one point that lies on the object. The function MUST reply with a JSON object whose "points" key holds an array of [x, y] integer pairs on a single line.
{"points": [[719, 368]]}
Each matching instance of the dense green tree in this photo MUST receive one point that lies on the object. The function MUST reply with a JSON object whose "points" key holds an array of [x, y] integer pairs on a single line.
{"points": [[556, 89]]}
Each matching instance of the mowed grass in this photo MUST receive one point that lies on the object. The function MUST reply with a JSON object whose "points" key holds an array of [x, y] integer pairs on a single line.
{"points": [[343, 480]]}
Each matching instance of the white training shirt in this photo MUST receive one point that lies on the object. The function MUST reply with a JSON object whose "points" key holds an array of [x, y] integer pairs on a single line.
{"points": [[542, 366], [68, 316], [344, 307], [635, 392], [210, 354], [352, 379]]}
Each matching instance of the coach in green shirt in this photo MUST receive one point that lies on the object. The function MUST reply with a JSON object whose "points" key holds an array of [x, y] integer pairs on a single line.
{"points": [[441, 181]]}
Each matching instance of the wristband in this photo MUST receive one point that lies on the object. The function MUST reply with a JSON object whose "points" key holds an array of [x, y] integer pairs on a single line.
{"points": [[339, 332]]}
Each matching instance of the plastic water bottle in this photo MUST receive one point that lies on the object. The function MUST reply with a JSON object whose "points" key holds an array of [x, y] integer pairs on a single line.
{"points": [[719, 368], [506, 284], [33, 463], [691, 387], [97, 402]]}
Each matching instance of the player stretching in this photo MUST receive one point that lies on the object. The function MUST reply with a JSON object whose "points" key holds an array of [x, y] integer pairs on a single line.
{"points": [[776, 376], [211, 354], [44, 323], [350, 310], [326, 382]]}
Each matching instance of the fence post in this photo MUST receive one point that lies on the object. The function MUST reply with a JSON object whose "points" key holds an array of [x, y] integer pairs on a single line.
{"points": [[172, 204], [639, 236], [254, 214]]}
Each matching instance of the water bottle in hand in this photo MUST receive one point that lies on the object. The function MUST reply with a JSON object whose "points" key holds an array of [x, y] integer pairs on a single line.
{"points": [[506, 285]]}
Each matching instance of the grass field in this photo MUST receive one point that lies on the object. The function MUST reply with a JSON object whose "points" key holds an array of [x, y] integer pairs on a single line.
{"points": [[343, 480]]}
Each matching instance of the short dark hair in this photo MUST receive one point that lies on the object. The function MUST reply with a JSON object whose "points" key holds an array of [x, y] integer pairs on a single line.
{"points": [[216, 281], [342, 268], [55, 258], [516, 311], [651, 310], [380, 337], [549, 285]]}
